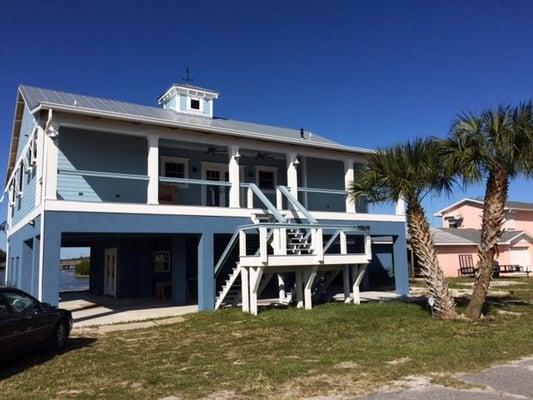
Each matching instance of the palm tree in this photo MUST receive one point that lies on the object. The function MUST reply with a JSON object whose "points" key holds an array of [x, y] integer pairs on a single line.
{"points": [[409, 171], [496, 145]]}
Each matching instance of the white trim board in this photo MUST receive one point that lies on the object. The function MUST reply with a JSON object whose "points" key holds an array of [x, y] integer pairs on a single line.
{"points": [[163, 209]]}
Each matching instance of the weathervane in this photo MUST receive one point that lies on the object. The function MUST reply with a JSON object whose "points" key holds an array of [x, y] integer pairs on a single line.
{"points": [[187, 78]]}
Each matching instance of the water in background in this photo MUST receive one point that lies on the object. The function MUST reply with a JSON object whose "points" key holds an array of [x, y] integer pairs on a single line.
{"points": [[68, 281]]}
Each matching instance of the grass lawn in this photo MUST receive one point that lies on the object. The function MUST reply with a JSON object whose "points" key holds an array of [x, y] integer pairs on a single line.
{"points": [[278, 354]]}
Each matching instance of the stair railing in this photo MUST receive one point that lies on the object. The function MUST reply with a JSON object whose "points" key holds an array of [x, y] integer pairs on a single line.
{"points": [[296, 204], [253, 189]]}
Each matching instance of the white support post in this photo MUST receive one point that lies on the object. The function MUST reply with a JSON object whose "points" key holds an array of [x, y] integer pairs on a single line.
{"points": [[292, 173], [355, 286], [299, 290], [279, 200], [282, 241], [357, 274], [348, 180], [400, 206], [242, 244], [52, 152], [234, 177], [255, 280], [346, 283], [153, 169], [343, 244], [249, 198], [318, 244], [281, 288], [368, 247], [309, 278], [245, 289], [263, 245]]}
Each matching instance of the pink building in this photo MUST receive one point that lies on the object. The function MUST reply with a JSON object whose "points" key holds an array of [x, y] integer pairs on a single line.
{"points": [[457, 242]]}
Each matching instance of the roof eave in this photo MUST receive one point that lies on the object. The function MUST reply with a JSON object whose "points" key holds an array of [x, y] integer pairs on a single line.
{"points": [[234, 132]]}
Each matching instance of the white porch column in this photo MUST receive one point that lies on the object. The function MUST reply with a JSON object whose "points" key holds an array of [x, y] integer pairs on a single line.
{"points": [[50, 168], [153, 169], [292, 173], [400, 206], [348, 180], [234, 177]]}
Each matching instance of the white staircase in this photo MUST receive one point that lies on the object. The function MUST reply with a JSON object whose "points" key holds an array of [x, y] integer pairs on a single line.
{"points": [[279, 244], [298, 242], [231, 290]]}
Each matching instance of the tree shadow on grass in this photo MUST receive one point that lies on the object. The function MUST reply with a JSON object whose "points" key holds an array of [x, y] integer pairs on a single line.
{"points": [[16, 363]]}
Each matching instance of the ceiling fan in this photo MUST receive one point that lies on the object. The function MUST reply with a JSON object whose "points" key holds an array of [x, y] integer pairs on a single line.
{"points": [[263, 156], [214, 150]]}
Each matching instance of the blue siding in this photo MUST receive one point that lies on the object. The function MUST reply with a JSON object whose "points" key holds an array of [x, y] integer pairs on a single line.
{"points": [[325, 174], [207, 106], [104, 152], [172, 103], [26, 202], [183, 103], [23, 262], [203, 227]]}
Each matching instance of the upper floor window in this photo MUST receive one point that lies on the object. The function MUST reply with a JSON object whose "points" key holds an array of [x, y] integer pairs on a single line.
{"points": [[174, 167], [195, 104], [20, 181], [266, 178]]}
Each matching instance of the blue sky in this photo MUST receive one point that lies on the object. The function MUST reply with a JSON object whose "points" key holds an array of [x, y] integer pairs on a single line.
{"points": [[362, 73]]}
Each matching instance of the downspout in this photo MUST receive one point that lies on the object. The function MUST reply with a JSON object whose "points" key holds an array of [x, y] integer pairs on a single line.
{"points": [[44, 165]]}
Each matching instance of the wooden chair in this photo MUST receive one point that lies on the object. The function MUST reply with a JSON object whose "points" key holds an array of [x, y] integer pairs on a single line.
{"points": [[466, 265]]}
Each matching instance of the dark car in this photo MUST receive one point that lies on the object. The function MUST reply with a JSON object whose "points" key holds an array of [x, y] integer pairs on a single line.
{"points": [[25, 322]]}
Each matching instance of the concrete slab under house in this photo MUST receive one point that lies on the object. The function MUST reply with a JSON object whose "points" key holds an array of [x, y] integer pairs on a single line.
{"points": [[184, 207]]}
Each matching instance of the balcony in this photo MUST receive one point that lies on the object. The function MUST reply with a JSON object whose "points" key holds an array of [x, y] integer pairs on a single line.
{"points": [[104, 168]]}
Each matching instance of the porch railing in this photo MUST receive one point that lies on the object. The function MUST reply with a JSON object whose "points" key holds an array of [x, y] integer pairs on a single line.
{"points": [[274, 235]]}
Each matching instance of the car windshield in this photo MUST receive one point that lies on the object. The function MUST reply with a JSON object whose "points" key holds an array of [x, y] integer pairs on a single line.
{"points": [[20, 302]]}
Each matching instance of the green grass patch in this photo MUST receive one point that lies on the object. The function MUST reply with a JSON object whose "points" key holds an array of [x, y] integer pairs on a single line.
{"points": [[278, 354]]}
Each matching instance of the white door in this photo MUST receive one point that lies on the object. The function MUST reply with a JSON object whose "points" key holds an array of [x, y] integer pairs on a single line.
{"points": [[216, 196], [520, 256], [110, 272]]}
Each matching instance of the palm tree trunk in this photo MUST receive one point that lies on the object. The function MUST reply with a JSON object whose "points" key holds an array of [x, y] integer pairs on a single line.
{"points": [[422, 242], [491, 232]]}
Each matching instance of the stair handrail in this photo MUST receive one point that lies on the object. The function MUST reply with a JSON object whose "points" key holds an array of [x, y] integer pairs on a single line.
{"points": [[268, 204], [226, 251], [297, 205]]}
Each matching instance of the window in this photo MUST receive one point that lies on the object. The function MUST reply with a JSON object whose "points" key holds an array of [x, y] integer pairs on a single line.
{"points": [[195, 104], [21, 179], [175, 167], [174, 170], [20, 303], [266, 178]]}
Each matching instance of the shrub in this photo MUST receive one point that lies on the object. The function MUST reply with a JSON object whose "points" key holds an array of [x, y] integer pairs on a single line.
{"points": [[83, 268]]}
